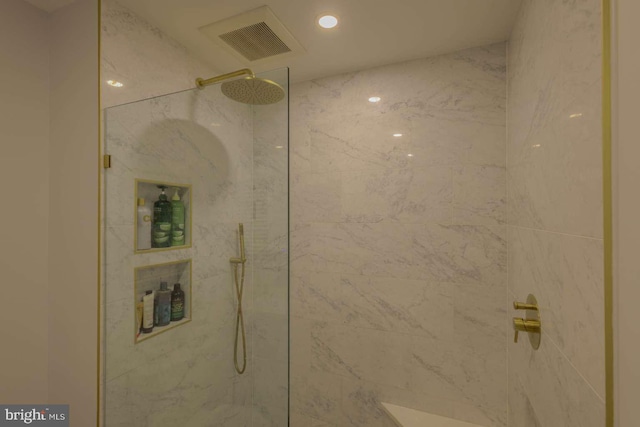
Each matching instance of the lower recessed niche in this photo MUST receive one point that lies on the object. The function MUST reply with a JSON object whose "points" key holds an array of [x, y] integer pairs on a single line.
{"points": [[149, 278]]}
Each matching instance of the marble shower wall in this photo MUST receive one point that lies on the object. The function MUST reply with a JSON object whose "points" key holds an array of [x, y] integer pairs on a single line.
{"points": [[554, 167], [399, 261], [228, 152], [143, 58], [184, 376]]}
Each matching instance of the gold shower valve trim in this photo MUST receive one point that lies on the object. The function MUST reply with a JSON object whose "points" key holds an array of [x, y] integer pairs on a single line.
{"points": [[531, 324]]}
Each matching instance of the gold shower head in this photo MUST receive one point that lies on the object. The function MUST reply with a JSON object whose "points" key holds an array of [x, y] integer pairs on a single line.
{"points": [[250, 90], [253, 90]]}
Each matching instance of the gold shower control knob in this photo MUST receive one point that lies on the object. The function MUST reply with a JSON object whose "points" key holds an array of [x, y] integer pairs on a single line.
{"points": [[524, 306], [522, 325]]}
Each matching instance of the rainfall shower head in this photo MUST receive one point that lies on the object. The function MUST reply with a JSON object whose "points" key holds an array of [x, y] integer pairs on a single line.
{"points": [[250, 90], [253, 90]]}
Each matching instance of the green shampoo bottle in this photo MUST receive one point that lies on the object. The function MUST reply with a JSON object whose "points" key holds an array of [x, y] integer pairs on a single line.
{"points": [[177, 220], [161, 221]]}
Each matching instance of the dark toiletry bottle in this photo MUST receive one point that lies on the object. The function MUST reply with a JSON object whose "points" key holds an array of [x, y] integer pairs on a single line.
{"points": [[148, 315], [161, 221], [163, 305], [177, 303]]}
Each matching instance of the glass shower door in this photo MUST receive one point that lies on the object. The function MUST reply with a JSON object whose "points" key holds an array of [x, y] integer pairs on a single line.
{"points": [[186, 170]]}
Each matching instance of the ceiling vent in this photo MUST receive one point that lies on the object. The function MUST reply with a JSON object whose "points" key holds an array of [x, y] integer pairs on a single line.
{"points": [[253, 36]]}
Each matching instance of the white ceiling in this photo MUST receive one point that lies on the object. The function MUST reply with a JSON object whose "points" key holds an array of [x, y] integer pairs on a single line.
{"points": [[50, 5], [370, 32]]}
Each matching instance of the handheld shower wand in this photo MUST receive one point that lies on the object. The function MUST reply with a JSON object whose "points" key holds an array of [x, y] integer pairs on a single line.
{"points": [[239, 282], [242, 258], [241, 232]]}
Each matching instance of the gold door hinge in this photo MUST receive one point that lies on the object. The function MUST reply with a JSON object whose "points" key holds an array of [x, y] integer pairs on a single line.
{"points": [[106, 161]]}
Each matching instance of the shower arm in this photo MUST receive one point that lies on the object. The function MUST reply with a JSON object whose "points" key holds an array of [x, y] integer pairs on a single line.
{"points": [[201, 83]]}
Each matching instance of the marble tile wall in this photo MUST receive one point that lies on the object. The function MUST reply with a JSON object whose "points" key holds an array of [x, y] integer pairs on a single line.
{"points": [[143, 58], [227, 151], [185, 375], [555, 212], [398, 244]]}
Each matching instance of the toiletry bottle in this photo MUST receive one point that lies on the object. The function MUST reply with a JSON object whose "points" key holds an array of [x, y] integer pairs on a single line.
{"points": [[177, 303], [163, 305], [155, 308], [147, 316], [161, 221], [177, 220], [144, 225], [139, 315]]}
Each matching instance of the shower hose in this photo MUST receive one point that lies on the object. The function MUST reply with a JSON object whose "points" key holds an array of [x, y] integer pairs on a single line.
{"points": [[239, 319]]}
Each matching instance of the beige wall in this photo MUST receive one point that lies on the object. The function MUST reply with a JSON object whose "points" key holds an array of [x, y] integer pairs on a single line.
{"points": [[73, 235], [626, 176], [24, 169], [49, 122]]}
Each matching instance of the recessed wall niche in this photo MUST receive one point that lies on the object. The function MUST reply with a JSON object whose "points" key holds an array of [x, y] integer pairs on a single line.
{"points": [[170, 227], [149, 278]]}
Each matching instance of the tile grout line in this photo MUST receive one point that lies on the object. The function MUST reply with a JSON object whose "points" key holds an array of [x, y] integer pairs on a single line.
{"points": [[566, 358], [600, 239]]}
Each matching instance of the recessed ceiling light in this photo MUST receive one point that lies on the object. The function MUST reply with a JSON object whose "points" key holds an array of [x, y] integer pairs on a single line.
{"points": [[279, 146], [374, 99], [114, 83], [409, 155], [573, 116], [397, 135], [328, 21]]}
